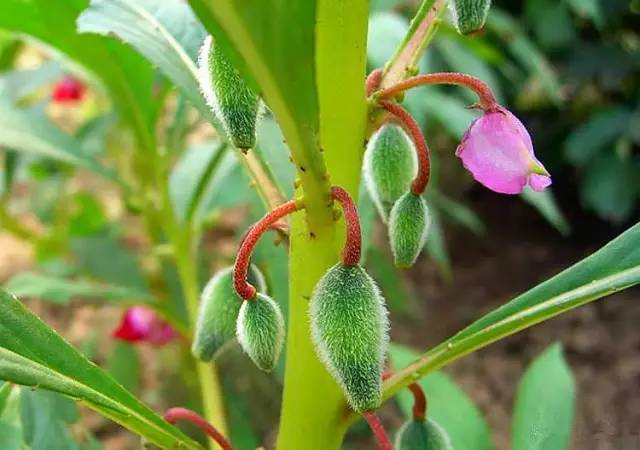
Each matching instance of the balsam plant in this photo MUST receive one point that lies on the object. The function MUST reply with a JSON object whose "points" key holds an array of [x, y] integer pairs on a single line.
{"points": [[306, 59]]}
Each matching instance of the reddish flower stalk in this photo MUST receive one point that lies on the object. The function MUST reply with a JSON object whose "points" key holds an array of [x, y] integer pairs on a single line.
{"points": [[419, 410], [174, 415], [241, 267], [422, 150], [487, 99], [378, 431], [353, 243], [373, 81]]}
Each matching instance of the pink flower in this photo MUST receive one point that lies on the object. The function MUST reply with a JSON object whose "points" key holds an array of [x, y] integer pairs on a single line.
{"points": [[498, 152], [68, 90], [140, 324]]}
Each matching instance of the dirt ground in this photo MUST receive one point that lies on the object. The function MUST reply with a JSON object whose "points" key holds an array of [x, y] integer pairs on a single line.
{"points": [[601, 340]]}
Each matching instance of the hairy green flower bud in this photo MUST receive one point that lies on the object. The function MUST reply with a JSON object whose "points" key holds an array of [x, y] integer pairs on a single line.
{"points": [[408, 226], [390, 164], [232, 101], [422, 435], [470, 15], [218, 312], [349, 326], [260, 331]]}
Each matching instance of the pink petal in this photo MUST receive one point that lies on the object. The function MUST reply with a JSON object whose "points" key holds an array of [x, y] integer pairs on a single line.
{"points": [[539, 182], [498, 151]]}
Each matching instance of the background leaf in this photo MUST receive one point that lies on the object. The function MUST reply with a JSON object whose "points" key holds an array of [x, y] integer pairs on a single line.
{"points": [[134, 23], [31, 132], [127, 77], [544, 408], [61, 290], [546, 205], [32, 354]]}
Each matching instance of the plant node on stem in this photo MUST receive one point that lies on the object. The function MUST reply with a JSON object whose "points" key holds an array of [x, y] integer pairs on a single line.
{"points": [[174, 415], [487, 99], [353, 243], [409, 124], [244, 289]]}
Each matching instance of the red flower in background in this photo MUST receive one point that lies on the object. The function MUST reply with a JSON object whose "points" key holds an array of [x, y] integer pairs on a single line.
{"points": [[68, 90], [140, 324]]}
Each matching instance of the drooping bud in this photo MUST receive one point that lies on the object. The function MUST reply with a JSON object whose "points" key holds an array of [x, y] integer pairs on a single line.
{"points": [[218, 312], [232, 101], [470, 15], [408, 227], [422, 435], [349, 326], [68, 90], [260, 331], [141, 324], [498, 151], [390, 164]]}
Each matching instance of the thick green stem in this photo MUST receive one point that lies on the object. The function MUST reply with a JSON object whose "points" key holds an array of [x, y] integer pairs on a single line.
{"points": [[314, 407], [313, 404]]}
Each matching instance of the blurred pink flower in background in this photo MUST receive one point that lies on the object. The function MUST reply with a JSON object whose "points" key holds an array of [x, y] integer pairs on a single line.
{"points": [[68, 90], [140, 324], [498, 151]]}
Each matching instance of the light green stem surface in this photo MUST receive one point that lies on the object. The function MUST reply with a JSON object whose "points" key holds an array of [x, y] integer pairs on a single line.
{"points": [[313, 406]]}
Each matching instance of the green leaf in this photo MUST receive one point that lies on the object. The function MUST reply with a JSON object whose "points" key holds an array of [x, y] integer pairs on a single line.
{"points": [[5, 390], [448, 405], [32, 354], [436, 245], [273, 152], [589, 8], [545, 203], [191, 176], [460, 59], [599, 130], [389, 280], [451, 112], [31, 132], [134, 23], [367, 214], [11, 423], [613, 268], [279, 60], [17, 84], [545, 403], [127, 77], [124, 365], [611, 185], [526, 52], [107, 260], [457, 212], [61, 290], [45, 418]]}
